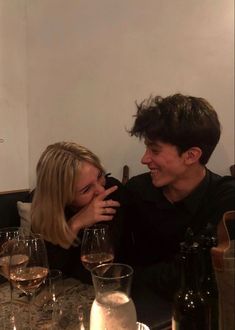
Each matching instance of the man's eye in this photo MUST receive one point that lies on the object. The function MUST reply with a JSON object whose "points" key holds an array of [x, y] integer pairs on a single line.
{"points": [[154, 151]]}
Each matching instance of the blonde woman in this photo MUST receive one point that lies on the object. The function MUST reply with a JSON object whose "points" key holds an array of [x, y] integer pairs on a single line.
{"points": [[72, 192]]}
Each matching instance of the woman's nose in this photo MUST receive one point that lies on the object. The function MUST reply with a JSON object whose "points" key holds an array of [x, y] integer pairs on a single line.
{"points": [[99, 189]]}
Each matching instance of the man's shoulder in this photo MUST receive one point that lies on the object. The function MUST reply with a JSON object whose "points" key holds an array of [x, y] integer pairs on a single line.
{"points": [[221, 182], [139, 180], [112, 181], [222, 190], [142, 185], [219, 196]]}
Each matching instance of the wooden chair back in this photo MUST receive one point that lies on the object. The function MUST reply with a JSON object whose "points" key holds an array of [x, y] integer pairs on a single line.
{"points": [[125, 174]]}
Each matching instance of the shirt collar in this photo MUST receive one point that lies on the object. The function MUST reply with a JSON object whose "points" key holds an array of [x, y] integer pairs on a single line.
{"points": [[191, 202], [155, 194]]}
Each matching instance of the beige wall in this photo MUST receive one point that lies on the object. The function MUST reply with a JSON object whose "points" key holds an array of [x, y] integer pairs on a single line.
{"points": [[14, 157], [88, 61]]}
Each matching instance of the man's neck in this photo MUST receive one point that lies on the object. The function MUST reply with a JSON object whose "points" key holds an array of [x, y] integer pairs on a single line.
{"points": [[183, 187]]}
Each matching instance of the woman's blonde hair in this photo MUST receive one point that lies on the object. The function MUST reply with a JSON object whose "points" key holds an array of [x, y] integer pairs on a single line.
{"points": [[57, 173]]}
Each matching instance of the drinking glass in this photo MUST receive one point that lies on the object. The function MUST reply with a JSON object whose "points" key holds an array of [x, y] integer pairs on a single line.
{"points": [[96, 246], [50, 291], [9, 319], [31, 272], [141, 326], [113, 307], [66, 315]]}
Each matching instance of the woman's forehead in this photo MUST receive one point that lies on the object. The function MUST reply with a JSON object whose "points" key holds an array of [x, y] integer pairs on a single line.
{"points": [[87, 173]]}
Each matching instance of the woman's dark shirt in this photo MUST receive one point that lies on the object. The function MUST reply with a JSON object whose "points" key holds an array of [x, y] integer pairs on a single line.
{"points": [[68, 260]]}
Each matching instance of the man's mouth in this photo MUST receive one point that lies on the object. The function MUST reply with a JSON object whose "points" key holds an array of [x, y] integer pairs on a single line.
{"points": [[153, 171]]}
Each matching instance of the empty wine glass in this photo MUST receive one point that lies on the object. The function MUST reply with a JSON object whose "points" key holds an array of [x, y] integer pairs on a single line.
{"points": [[96, 246], [27, 276]]}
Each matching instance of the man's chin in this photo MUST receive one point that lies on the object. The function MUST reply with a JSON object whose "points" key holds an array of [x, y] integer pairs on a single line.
{"points": [[157, 183]]}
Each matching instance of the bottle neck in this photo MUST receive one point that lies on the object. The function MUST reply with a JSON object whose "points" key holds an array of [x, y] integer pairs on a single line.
{"points": [[190, 272], [207, 242], [208, 284], [207, 262]]}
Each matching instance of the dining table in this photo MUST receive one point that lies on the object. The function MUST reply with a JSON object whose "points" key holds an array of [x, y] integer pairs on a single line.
{"points": [[77, 299], [152, 308]]}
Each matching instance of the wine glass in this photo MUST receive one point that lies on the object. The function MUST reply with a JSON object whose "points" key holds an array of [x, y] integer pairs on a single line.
{"points": [[50, 291], [8, 236], [29, 275], [96, 246]]}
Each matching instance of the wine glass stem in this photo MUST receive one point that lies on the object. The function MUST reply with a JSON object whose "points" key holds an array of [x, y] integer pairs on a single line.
{"points": [[29, 297], [11, 292]]}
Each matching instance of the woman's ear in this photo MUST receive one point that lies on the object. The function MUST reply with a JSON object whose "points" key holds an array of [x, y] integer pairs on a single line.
{"points": [[192, 155]]}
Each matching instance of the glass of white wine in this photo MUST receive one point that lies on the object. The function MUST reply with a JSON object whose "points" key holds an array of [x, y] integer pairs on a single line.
{"points": [[30, 275], [96, 246], [8, 235]]}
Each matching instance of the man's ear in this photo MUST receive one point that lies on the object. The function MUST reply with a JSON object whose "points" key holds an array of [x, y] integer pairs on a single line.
{"points": [[192, 155]]}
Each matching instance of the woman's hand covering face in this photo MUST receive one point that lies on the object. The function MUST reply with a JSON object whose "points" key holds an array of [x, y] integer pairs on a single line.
{"points": [[99, 209]]}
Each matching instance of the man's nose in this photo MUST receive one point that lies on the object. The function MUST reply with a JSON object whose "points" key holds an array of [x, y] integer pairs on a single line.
{"points": [[146, 158]]}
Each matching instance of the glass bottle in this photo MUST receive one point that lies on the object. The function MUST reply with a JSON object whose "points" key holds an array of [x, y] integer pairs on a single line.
{"points": [[190, 307], [208, 281]]}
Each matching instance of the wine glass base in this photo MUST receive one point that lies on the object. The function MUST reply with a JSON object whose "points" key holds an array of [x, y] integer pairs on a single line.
{"points": [[9, 312]]}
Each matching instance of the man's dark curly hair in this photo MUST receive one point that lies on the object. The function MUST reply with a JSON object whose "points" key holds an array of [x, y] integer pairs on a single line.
{"points": [[183, 121]]}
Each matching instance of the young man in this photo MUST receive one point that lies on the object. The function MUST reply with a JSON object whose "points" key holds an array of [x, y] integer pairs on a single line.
{"points": [[180, 133]]}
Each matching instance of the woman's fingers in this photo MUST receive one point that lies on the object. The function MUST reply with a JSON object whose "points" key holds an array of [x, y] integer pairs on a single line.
{"points": [[108, 207], [108, 210], [105, 217], [107, 192], [110, 203]]}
